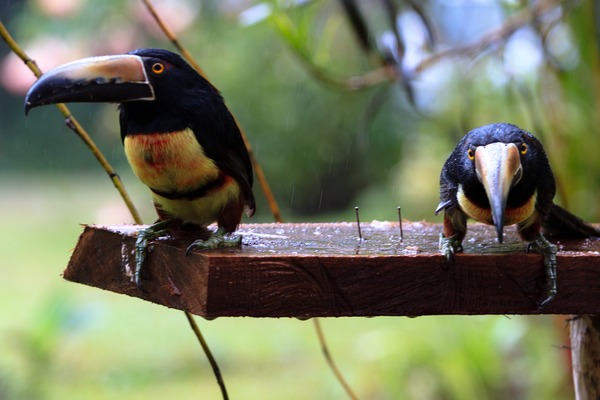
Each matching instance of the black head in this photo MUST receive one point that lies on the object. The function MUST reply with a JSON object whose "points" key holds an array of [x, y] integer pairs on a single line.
{"points": [[181, 96], [498, 167], [147, 82]]}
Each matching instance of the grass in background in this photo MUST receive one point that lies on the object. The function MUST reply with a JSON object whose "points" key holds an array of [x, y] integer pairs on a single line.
{"points": [[60, 340]]}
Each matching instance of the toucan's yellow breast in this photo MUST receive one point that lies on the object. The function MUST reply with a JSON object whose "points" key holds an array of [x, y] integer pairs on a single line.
{"points": [[484, 214], [519, 214], [203, 210], [481, 214], [170, 162]]}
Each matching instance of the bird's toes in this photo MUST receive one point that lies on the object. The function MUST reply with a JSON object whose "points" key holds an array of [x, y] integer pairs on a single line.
{"points": [[548, 250], [144, 236], [448, 247], [550, 294], [216, 241]]}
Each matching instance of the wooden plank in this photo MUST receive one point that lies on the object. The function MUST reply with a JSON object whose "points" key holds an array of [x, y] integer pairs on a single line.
{"points": [[324, 270]]}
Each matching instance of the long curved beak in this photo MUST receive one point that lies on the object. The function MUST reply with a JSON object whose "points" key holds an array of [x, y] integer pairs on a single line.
{"points": [[115, 79], [498, 166]]}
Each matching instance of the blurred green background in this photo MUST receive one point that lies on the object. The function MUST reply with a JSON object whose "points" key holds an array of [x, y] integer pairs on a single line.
{"points": [[281, 67]]}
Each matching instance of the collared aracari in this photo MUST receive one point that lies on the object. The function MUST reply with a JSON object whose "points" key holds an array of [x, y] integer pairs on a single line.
{"points": [[179, 138], [499, 175]]}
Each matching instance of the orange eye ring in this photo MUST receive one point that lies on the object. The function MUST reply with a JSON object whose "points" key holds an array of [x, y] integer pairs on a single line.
{"points": [[471, 154], [524, 148], [158, 68]]}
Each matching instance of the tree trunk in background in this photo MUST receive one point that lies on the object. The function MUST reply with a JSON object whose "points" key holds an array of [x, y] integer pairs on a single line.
{"points": [[585, 345]]}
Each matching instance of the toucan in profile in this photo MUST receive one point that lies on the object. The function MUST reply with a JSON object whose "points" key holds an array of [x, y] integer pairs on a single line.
{"points": [[179, 137], [499, 174]]}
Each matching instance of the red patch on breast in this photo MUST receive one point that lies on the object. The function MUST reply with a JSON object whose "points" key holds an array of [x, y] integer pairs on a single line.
{"points": [[155, 148], [170, 161]]}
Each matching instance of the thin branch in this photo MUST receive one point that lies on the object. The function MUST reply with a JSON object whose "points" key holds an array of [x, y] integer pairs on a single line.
{"points": [[509, 27], [74, 125], [358, 24], [172, 37], [209, 355], [330, 361]]}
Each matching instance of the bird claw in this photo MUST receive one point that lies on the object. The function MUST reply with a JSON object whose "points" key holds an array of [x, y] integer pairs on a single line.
{"points": [[542, 246], [216, 240], [449, 246], [144, 236], [141, 248]]}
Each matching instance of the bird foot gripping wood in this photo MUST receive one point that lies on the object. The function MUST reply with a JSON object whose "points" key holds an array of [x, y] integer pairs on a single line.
{"points": [[449, 246], [216, 240], [141, 247], [159, 229], [542, 246]]}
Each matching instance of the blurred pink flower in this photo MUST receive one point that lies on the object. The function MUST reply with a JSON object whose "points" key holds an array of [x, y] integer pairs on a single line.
{"points": [[48, 53], [59, 8]]}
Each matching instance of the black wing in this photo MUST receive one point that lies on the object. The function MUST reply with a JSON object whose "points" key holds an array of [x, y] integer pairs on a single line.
{"points": [[448, 188], [218, 134]]}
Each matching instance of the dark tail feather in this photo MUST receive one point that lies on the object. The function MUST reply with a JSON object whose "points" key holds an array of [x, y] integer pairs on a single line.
{"points": [[562, 224]]}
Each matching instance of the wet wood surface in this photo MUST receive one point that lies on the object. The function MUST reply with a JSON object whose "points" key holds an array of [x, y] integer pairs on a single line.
{"points": [[325, 270]]}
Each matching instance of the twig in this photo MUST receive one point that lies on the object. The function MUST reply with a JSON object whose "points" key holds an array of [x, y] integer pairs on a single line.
{"points": [[517, 21], [172, 37], [330, 361], [208, 353], [74, 125]]}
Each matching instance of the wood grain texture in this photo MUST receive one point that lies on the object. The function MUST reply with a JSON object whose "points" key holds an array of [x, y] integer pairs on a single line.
{"points": [[323, 270]]}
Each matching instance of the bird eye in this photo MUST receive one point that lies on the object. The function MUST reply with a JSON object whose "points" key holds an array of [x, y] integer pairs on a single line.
{"points": [[524, 148], [471, 154], [158, 68]]}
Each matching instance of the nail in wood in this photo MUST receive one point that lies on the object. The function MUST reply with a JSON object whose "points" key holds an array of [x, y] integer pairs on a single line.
{"points": [[358, 223], [400, 224]]}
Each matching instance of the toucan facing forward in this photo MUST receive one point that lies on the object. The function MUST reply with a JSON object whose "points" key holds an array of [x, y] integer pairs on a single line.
{"points": [[179, 137], [499, 174]]}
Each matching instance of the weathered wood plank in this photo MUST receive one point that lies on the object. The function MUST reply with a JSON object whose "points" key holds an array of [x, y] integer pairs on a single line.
{"points": [[321, 270]]}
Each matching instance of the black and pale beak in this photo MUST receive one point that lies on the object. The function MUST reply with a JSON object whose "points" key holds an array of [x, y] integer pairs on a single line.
{"points": [[113, 79], [498, 167]]}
